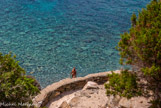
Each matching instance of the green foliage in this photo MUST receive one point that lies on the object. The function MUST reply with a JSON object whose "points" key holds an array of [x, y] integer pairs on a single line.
{"points": [[133, 20], [123, 84], [15, 87], [141, 46]]}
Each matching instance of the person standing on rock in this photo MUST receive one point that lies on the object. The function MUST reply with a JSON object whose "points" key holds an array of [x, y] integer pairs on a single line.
{"points": [[73, 73]]}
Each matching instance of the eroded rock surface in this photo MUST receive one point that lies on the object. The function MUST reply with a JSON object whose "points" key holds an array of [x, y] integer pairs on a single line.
{"points": [[64, 105], [90, 85], [96, 98]]}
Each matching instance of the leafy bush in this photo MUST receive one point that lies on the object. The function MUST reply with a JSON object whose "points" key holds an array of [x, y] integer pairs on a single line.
{"points": [[123, 84], [141, 46], [15, 87]]}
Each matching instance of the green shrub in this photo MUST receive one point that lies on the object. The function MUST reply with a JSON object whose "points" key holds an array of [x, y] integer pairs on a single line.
{"points": [[15, 87], [123, 84], [141, 46]]}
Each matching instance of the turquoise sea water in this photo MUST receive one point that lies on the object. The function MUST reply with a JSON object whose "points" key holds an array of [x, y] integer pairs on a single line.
{"points": [[50, 37]]}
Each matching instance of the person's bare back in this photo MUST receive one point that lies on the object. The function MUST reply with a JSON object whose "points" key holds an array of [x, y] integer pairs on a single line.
{"points": [[73, 73]]}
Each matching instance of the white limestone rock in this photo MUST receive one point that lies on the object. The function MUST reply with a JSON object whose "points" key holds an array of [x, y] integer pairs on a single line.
{"points": [[90, 85]]}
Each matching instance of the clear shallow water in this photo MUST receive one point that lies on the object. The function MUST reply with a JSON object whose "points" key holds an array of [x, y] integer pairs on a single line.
{"points": [[50, 37]]}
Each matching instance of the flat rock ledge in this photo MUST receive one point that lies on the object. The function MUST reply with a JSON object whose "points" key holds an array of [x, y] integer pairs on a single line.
{"points": [[54, 90]]}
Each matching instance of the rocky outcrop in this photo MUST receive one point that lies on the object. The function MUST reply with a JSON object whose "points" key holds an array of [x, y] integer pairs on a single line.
{"points": [[91, 94], [87, 98], [90, 85], [96, 98], [135, 102], [122, 102], [54, 90]]}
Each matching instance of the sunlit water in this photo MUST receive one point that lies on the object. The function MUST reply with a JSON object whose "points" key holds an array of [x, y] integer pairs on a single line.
{"points": [[50, 37]]}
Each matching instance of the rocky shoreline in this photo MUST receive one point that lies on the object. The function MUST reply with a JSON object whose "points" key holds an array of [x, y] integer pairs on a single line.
{"points": [[95, 97], [85, 92]]}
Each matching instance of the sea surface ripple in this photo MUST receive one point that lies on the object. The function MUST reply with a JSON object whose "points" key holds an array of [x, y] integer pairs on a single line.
{"points": [[50, 37]]}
